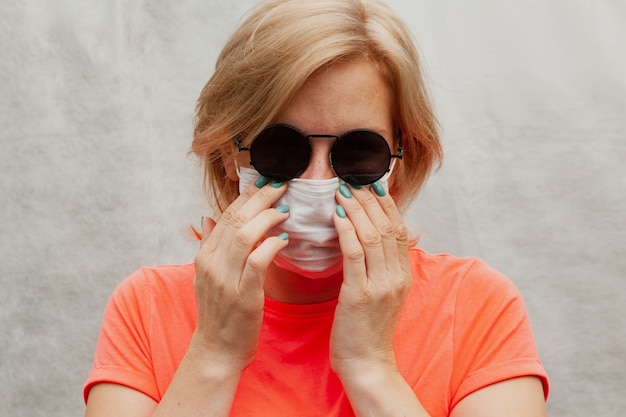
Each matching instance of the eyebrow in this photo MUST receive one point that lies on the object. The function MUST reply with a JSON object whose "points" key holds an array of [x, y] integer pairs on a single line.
{"points": [[383, 132]]}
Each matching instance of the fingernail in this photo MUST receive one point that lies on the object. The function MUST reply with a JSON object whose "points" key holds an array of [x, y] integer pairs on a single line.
{"points": [[340, 212], [260, 183], [345, 191], [283, 236], [378, 189], [277, 184], [283, 208], [356, 186]]}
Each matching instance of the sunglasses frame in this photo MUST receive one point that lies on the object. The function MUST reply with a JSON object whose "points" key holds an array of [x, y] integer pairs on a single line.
{"points": [[400, 150]]}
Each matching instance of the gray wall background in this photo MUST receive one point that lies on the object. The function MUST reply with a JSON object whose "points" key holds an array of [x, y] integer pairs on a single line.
{"points": [[96, 104]]}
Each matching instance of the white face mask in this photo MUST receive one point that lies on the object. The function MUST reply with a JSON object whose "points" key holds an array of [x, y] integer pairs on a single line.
{"points": [[313, 250]]}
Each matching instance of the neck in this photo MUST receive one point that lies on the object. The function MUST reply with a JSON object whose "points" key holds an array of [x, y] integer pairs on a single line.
{"points": [[288, 287]]}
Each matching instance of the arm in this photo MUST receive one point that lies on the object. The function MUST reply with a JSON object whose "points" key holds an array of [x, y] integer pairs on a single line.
{"points": [[201, 387], [377, 279], [230, 271], [118, 400], [518, 397], [381, 392]]}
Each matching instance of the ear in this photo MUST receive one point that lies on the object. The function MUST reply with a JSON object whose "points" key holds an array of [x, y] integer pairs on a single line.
{"points": [[228, 160]]}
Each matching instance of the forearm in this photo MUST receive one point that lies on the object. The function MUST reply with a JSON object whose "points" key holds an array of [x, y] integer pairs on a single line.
{"points": [[381, 394], [204, 385]]}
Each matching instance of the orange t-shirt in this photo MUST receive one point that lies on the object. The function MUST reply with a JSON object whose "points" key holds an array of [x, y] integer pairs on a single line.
{"points": [[464, 326]]}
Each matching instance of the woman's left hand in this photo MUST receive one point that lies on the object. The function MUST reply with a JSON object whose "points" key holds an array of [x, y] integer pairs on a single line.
{"points": [[377, 279]]}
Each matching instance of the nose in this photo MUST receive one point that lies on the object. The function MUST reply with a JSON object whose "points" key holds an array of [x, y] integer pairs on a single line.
{"points": [[319, 165]]}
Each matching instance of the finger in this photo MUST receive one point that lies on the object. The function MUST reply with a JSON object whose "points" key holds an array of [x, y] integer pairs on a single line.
{"points": [[400, 230], [249, 235], [250, 203], [368, 235], [206, 227], [354, 269], [253, 276], [371, 202], [234, 207]]}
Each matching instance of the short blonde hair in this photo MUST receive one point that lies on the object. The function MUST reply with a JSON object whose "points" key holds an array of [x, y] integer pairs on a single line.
{"points": [[277, 48]]}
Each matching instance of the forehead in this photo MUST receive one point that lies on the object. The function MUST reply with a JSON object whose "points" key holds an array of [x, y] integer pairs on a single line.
{"points": [[340, 98]]}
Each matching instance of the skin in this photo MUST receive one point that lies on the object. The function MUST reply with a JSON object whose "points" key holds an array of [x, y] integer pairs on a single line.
{"points": [[371, 291]]}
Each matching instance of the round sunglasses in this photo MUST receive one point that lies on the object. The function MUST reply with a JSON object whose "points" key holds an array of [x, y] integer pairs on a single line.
{"points": [[281, 152]]}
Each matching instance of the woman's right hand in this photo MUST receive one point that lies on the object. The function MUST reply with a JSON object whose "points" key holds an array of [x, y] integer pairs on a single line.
{"points": [[230, 272]]}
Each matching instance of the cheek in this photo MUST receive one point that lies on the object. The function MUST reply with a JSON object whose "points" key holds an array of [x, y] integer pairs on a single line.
{"points": [[243, 159]]}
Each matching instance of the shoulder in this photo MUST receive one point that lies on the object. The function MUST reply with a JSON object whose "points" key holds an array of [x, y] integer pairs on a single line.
{"points": [[469, 273], [480, 318], [464, 286], [163, 276], [154, 284], [149, 299]]}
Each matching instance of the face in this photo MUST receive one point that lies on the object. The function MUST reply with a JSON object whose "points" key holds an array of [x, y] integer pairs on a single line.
{"points": [[345, 97]]}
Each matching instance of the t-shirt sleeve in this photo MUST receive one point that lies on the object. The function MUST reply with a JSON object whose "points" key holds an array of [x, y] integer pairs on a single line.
{"points": [[122, 353], [493, 338]]}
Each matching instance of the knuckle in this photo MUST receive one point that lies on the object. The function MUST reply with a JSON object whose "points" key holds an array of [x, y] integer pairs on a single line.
{"points": [[388, 296], [362, 300], [233, 218], [387, 230], [402, 232], [205, 274], [403, 285], [198, 259], [243, 239], [255, 264], [201, 264], [372, 239], [355, 255]]}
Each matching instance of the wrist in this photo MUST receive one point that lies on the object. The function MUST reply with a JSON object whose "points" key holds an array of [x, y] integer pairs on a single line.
{"points": [[213, 362], [372, 367], [366, 375], [380, 390]]}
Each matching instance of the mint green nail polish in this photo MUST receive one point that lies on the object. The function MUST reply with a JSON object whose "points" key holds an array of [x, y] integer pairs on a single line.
{"points": [[345, 191], [283, 236], [261, 182], [277, 184], [340, 212], [356, 186], [283, 208], [378, 189]]}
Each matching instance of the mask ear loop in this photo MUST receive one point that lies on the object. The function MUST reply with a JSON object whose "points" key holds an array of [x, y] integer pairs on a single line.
{"points": [[237, 169], [389, 171], [240, 147]]}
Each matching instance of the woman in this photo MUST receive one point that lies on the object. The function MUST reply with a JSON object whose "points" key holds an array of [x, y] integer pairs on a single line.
{"points": [[305, 298]]}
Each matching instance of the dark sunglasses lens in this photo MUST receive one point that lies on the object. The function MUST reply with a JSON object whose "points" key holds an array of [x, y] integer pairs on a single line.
{"points": [[361, 157], [280, 153]]}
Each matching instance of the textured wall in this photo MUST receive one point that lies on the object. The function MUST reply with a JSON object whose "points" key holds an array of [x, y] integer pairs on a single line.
{"points": [[96, 104]]}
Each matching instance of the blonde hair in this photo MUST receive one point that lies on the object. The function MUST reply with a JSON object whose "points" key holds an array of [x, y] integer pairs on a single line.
{"points": [[276, 49]]}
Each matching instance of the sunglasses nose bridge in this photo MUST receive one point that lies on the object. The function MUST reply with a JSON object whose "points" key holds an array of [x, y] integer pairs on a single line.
{"points": [[320, 158]]}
